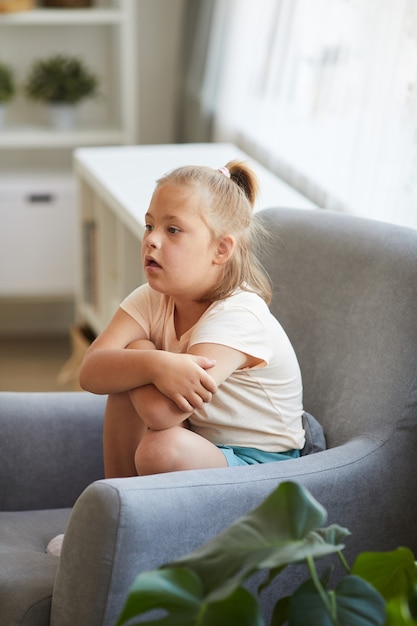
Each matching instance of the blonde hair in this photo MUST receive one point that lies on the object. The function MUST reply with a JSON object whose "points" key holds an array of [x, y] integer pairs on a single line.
{"points": [[228, 210]]}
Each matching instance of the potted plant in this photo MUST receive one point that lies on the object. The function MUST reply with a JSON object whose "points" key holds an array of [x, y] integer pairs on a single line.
{"points": [[7, 88], [206, 588], [62, 82]]}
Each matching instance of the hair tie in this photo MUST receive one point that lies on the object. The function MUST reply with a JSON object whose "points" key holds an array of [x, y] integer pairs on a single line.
{"points": [[223, 170]]}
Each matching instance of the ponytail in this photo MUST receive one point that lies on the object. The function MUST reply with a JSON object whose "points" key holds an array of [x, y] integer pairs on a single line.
{"points": [[245, 178]]}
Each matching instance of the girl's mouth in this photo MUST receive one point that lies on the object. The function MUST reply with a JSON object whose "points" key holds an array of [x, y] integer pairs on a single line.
{"points": [[151, 263]]}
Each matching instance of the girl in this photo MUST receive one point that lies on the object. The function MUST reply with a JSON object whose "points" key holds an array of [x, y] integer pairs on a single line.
{"points": [[197, 370]]}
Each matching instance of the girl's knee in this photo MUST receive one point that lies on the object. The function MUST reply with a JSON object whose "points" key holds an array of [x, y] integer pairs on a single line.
{"points": [[157, 452], [175, 449]]}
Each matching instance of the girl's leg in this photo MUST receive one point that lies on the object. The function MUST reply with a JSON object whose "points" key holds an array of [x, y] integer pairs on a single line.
{"points": [[175, 449], [123, 430]]}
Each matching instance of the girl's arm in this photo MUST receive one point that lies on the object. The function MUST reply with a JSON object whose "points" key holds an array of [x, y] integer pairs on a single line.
{"points": [[227, 359], [109, 367], [159, 412], [151, 404]]}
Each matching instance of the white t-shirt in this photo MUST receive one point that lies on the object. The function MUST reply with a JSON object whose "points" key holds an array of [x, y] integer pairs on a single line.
{"points": [[259, 407]]}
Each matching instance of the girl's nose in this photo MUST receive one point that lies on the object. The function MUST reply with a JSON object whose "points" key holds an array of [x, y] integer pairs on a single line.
{"points": [[152, 240]]}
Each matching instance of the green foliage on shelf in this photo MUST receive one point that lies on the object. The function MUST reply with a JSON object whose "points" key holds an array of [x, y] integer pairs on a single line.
{"points": [[7, 83], [60, 79], [206, 588]]}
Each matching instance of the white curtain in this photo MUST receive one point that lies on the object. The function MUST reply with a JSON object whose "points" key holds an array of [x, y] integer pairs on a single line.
{"points": [[324, 92]]}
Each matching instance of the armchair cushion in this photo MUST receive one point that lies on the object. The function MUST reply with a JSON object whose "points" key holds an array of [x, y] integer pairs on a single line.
{"points": [[27, 573]]}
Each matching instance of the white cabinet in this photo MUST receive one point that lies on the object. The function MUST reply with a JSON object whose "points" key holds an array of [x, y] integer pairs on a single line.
{"points": [[37, 250], [37, 236]]}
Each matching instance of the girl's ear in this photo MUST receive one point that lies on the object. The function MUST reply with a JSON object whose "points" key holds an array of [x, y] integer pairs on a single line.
{"points": [[224, 250]]}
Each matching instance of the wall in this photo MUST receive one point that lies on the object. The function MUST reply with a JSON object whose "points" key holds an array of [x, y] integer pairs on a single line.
{"points": [[160, 40]]}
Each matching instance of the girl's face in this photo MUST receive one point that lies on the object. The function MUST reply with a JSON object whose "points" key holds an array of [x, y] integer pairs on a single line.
{"points": [[178, 254]]}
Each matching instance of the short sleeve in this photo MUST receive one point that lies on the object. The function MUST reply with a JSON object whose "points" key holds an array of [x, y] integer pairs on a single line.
{"points": [[140, 305], [242, 322]]}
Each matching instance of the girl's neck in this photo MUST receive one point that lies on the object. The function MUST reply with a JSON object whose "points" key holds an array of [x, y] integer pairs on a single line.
{"points": [[186, 315]]}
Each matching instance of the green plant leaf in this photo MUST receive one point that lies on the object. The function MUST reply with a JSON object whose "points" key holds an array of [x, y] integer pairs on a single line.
{"points": [[7, 83], [280, 612], [306, 608], [355, 602], [398, 613], [333, 534], [177, 591], [60, 78], [239, 609], [358, 603], [412, 599], [282, 530], [177, 595], [391, 573]]}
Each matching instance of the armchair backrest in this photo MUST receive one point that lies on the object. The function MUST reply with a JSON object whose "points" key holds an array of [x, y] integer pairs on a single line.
{"points": [[345, 290]]}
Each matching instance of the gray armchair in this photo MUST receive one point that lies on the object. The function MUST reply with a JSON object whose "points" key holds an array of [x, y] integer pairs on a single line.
{"points": [[346, 292]]}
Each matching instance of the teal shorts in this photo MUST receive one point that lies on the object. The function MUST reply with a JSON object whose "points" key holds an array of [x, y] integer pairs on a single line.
{"points": [[236, 455]]}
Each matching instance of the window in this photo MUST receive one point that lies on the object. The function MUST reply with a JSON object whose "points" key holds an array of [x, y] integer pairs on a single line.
{"points": [[324, 93]]}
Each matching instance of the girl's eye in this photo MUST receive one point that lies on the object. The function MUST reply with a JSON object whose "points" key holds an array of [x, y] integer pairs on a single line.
{"points": [[148, 227], [173, 230]]}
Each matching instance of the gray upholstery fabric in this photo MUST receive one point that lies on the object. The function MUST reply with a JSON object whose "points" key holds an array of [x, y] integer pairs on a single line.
{"points": [[27, 573], [314, 434], [346, 292], [50, 451], [44, 454]]}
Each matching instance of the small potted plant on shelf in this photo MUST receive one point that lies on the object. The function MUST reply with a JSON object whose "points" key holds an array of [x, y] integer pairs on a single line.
{"points": [[7, 88], [62, 82]]}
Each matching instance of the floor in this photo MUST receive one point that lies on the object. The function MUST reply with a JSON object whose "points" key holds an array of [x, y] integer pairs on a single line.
{"points": [[36, 364]]}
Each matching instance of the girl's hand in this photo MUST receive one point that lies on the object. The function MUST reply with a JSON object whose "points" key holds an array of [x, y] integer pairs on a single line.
{"points": [[188, 385], [183, 379]]}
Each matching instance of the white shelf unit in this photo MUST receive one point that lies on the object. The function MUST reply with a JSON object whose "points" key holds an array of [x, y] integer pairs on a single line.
{"points": [[115, 188], [110, 257], [103, 36], [33, 156]]}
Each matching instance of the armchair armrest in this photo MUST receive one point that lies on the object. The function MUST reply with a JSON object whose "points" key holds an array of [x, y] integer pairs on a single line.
{"points": [[51, 448]]}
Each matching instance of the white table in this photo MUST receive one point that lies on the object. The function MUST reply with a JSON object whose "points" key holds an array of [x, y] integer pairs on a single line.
{"points": [[116, 185]]}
